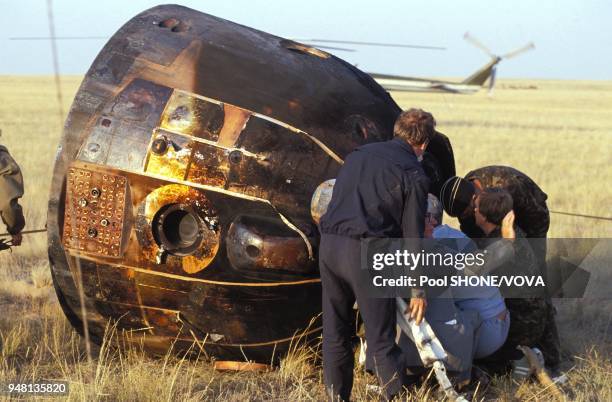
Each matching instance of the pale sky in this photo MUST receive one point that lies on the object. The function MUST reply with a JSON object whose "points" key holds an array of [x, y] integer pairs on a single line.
{"points": [[573, 38]]}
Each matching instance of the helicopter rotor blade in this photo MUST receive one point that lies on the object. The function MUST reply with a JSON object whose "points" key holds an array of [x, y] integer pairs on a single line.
{"points": [[27, 38], [59, 37], [518, 51], [344, 49], [468, 37], [381, 44]]}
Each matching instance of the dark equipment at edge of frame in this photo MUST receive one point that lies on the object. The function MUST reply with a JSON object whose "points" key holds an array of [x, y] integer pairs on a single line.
{"points": [[182, 190]]}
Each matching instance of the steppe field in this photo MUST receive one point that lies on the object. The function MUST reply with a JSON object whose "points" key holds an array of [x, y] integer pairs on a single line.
{"points": [[558, 132]]}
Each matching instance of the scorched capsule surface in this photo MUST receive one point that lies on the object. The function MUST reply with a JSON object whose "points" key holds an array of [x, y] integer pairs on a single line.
{"points": [[183, 182]]}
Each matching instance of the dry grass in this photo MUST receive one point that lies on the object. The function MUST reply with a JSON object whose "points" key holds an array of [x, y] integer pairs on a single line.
{"points": [[560, 134]]}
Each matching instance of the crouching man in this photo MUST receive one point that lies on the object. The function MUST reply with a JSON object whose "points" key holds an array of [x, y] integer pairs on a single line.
{"points": [[532, 217], [487, 301], [528, 315]]}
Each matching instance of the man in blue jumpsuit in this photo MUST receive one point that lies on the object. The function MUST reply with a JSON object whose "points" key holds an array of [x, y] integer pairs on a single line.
{"points": [[381, 191]]}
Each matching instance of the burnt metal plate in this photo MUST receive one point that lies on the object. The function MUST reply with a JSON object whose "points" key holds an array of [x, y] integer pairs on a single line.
{"points": [[192, 115], [141, 101], [209, 165], [94, 212], [120, 136], [169, 155]]}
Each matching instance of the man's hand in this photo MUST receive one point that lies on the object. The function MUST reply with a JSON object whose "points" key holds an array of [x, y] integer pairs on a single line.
{"points": [[507, 226], [417, 308], [16, 239]]}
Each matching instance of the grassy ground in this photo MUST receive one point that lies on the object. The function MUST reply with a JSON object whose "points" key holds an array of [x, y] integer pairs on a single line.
{"points": [[560, 134]]}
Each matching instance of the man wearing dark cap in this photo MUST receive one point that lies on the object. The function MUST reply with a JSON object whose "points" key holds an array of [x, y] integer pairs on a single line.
{"points": [[532, 217], [11, 189], [529, 200], [381, 191]]}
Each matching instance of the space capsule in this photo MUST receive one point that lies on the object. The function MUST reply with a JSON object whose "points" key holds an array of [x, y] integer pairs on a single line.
{"points": [[180, 206]]}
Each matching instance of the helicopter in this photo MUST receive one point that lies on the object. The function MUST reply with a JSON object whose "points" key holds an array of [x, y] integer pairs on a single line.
{"points": [[469, 85]]}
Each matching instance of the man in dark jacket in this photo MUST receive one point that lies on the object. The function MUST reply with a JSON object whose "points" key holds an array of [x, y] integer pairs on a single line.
{"points": [[11, 189], [381, 191], [532, 217]]}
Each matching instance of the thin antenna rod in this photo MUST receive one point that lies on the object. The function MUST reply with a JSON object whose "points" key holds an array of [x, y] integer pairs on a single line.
{"points": [[56, 71], [79, 276], [601, 218]]}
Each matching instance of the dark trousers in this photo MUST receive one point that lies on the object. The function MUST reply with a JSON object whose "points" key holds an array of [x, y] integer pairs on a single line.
{"points": [[342, 280]]}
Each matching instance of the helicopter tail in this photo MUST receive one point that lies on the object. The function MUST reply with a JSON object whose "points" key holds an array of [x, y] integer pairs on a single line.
{"points": [[489, 70]]}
